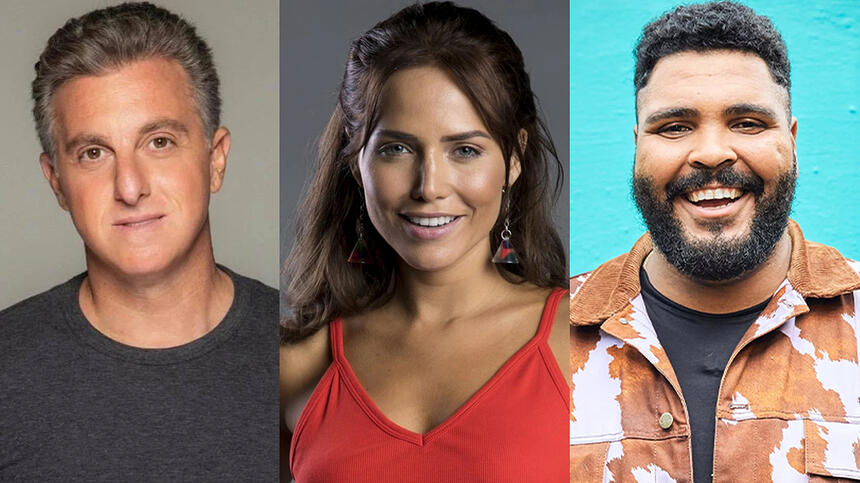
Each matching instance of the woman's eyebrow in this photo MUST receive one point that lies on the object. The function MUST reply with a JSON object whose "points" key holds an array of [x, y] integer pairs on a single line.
{"points": [[465, 135], [398, 135]]}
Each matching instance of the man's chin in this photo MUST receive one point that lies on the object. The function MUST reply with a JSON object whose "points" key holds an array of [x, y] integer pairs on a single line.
{"points": [[714, 257], [137, 267], [712, 233]]}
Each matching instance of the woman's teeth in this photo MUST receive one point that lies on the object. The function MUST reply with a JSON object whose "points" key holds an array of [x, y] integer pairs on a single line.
{"points": [[434, 221]]}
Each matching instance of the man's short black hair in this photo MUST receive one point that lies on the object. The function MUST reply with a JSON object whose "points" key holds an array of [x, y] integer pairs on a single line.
{"points": [[712, 26]]}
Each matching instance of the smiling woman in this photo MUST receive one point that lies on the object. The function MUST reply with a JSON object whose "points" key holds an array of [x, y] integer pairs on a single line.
{"points": [[434, 157], [460, 178]]}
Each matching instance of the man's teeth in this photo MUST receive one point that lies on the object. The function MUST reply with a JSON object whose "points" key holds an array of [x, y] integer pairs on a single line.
{"points": [[434, 221], [714, 194]]}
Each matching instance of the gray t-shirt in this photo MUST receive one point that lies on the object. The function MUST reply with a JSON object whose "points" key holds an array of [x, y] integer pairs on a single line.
{"points": [[78, 406]]}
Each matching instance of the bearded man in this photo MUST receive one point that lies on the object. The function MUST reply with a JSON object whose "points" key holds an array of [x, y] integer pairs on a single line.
{"points": [[723, 346]]}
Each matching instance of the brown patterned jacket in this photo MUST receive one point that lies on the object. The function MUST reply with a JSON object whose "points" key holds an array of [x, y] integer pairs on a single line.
{"points": [[789, 403]]}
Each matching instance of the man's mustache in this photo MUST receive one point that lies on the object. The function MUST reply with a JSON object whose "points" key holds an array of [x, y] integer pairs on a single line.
{"points": [[701, 178]]}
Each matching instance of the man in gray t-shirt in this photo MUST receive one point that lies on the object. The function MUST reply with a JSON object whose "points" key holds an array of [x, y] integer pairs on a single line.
{"points": [[156, 363]]}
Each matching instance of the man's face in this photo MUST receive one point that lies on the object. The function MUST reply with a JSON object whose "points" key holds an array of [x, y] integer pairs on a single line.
{"points": [[134, 166], [715, 158]]}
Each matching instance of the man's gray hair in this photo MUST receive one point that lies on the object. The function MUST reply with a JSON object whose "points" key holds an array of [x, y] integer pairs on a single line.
{"points": [[109, 38]]}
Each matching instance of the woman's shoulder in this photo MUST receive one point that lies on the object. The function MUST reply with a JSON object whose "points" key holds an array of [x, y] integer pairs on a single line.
{"points": [[555, 317], [528, 294], [302, 365]]}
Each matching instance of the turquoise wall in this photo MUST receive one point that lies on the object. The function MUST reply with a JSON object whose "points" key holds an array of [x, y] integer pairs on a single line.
{"points": [[824, 49]]}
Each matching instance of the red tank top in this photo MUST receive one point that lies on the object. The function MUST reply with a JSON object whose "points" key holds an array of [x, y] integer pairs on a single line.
{"points": [[514, 428]]}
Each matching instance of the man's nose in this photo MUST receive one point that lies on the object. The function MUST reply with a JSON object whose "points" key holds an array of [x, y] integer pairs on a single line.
{"points": [[713, 148], [131, 182]]}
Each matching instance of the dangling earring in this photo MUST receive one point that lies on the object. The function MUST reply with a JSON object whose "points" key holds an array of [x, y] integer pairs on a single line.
{"points": [[360, 254], [506, 252]]}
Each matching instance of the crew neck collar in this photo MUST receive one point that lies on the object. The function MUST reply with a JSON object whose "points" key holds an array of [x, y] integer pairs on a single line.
{"points": [[70, 307]]}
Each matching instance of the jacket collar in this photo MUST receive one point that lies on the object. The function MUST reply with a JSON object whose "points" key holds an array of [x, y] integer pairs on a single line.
{"points": [[815, 271]]}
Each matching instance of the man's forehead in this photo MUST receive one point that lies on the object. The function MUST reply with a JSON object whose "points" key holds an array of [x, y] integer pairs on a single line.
{"points": [[134, 93], [712, 78]]}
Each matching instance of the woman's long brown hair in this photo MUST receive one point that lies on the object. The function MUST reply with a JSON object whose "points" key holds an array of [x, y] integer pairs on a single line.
{"points": [[488, 67]]}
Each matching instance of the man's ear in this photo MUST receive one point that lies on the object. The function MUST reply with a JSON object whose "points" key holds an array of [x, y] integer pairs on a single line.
{"points": [[515, 166], [218, 158], [635, 135], [793, 130], [53, 177]]}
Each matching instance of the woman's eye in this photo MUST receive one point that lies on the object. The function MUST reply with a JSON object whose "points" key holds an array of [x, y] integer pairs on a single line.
{"points": [[160, 142], [466, 152], [393, 150]]}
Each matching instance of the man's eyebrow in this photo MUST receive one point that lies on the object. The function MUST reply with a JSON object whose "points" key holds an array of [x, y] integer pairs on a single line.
{"points": [[87, 138], [165, 123], [746, 108], [84, 138], [672, 112], [464, 136]]}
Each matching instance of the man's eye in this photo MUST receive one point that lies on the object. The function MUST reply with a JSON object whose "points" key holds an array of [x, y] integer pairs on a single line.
{"points": [[91, 154], [160, 142], [750, 126], [393, 150], [674, 129]]}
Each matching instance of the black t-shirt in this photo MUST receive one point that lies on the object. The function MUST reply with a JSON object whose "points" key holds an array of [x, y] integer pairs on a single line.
{"points": [[78, 406], [698, 346]]}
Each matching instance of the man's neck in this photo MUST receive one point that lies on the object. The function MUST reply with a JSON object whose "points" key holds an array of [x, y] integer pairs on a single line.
{"points": [[176, 306], [721, 297]]}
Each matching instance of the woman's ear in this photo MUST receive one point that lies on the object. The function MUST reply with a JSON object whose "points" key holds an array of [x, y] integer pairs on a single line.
{"points": [[515, 167], [354, 169]]}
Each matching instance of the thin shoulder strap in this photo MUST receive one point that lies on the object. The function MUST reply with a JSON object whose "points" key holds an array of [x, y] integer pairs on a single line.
{"points": [[335, 329], [549, 311]]}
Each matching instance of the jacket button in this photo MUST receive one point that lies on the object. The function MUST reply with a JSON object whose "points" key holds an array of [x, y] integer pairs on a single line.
{"points": [[666, 420], [623, 321]]}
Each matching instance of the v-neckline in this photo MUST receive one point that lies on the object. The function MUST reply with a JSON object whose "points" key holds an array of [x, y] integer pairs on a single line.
{"points": [[398, 431]]}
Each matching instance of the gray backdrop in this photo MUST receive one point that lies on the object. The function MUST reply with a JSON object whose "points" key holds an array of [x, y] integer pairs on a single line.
{"points": [[315, 38], [39, 246]]}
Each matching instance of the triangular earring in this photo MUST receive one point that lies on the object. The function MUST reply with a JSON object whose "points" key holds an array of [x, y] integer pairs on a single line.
{"points": [[506, 252], [360, 254]]}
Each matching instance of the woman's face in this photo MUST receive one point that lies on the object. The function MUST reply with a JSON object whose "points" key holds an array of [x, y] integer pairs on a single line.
{"points": [[432, 175]]}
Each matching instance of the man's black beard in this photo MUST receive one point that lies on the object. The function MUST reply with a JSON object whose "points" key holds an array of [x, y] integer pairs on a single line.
{"points": [[716, 259]]}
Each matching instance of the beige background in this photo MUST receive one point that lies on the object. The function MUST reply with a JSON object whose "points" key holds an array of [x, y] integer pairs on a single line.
{"points": [[39, 247]]}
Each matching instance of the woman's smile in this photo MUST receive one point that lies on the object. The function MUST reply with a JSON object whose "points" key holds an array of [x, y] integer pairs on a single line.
{"points": [[432, 174], [430, 227]]}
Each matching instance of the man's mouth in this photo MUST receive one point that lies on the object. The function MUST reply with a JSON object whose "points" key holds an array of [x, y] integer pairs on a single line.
{"points": [[714, 197], [430, 222], [138, 221]]}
